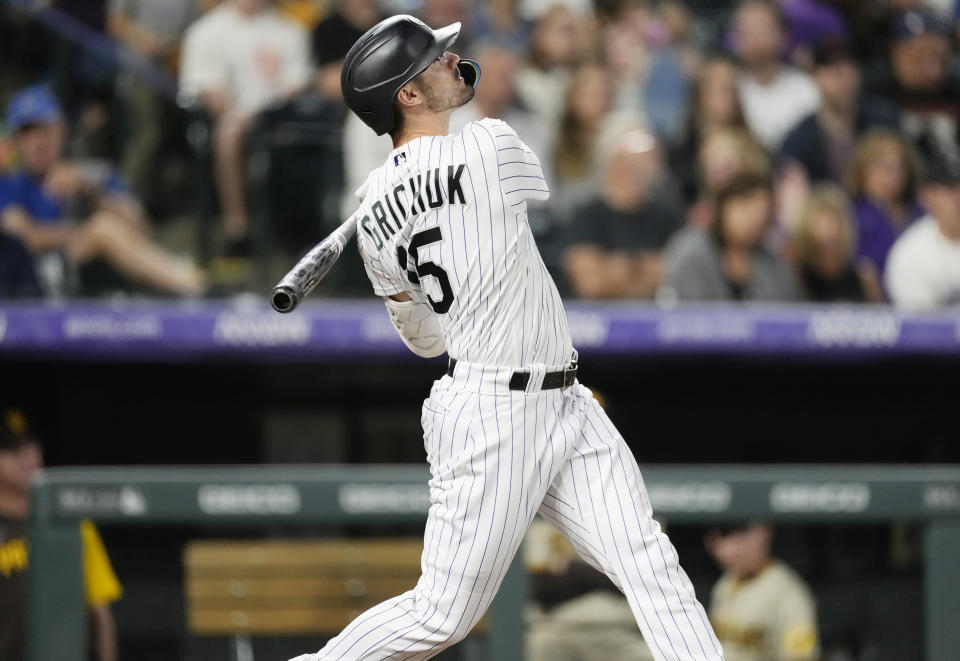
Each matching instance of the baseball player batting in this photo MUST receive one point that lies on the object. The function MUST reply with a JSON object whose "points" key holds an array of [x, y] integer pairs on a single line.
{"points": [[509, 432]]}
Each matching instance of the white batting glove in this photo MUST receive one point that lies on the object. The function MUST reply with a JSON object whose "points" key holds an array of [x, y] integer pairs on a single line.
{"points": [[418, 326]]}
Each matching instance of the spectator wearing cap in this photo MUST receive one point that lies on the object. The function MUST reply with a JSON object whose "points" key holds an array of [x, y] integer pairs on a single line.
{"points": [[924, 266], [922, 81], [241, 58], [775, 95], [811, 22], [823, 142], [79, 209], [21, 456], [616, 239]]}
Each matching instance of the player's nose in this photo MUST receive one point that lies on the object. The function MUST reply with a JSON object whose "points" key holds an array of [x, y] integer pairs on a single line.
{"points": [[452, 60]]}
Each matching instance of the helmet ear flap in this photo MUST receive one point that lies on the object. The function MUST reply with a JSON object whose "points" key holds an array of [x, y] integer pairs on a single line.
{"points": [[470, 71]]}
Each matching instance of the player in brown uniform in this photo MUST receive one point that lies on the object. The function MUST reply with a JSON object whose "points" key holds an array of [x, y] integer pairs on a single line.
{"points": [[760, 608], [20, 457]]}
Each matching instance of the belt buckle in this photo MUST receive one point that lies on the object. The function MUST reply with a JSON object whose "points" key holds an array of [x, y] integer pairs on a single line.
{"points": [[569, 375]]}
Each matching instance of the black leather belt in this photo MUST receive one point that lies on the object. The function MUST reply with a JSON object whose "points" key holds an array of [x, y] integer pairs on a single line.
{"points": [[551, 380]]}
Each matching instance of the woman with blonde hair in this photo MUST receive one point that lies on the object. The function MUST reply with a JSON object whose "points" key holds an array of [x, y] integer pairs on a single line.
{"points": [[724, 154], [823, 246], [882, 182]]}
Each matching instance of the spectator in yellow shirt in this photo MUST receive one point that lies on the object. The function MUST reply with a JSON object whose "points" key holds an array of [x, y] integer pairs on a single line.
{"points": [[21, 456]]}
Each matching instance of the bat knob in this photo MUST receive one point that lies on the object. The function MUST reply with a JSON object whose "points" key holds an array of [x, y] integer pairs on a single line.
{"points": [[283, 299]]}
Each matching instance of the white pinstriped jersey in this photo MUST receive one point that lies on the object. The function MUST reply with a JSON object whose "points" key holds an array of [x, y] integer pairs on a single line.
{"points": [[445, 219]]}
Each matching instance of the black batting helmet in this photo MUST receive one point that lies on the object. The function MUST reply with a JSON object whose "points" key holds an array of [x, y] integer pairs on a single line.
{"points": [[387, 57]]}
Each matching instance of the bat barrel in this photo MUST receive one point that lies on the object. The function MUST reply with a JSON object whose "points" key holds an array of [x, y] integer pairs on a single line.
{"points": [[311, 269], [284, 298]]}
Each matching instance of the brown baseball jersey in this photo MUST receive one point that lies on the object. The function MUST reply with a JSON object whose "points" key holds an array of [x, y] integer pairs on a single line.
{"points": [[768, 617]]}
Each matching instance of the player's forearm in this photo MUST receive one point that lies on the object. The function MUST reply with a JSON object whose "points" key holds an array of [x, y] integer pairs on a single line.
{"points": [[646, 275], [604, 278], [38, 238], [597, 274]]}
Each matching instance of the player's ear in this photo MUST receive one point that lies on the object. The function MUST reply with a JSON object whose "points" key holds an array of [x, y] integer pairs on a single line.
{"points": [[409, 95]]}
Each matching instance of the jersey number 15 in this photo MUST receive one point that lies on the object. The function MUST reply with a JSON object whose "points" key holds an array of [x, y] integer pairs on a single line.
{"points": [[423, 269]]}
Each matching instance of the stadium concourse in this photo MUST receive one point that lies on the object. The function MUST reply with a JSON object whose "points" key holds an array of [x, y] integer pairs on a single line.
{"points": [[754, 220]]}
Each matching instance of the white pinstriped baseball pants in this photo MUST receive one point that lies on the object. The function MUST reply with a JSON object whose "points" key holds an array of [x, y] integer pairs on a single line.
{"points": [[497, 457]]}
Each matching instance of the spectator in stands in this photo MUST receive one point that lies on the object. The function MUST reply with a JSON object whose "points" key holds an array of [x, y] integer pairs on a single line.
{"points": [[823, 250], [811, 22], [775, 95], [18, 276], [587, 106], [446, 12], [823, 142], [575, 614], [499, 22], [241, 58], [615, 240], [555, 48], [730, 261], [646, 48], [924, 266], [715, 104], [332, 38], [20, 457], [724, 153], [760, 608], [882, 182], [152, 30], [923, 82], [78, 209]]}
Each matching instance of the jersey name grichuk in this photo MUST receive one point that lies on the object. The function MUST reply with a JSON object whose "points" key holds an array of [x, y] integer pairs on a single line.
{"points": [[426, 193]]}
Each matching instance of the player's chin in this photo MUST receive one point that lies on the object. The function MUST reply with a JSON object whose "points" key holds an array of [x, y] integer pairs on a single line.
{"points": [[466, 95]]}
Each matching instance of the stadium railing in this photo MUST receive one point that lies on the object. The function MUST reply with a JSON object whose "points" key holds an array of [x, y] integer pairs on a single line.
{"points": [[341, 328], [370, 495]]}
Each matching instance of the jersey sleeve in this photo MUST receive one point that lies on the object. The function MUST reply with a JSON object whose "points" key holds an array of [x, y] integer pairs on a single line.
{"points": [[101, 584], [384, 281], [796, 626], [518, 167]]}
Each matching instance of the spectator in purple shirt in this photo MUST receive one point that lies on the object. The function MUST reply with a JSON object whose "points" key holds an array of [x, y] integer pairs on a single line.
{"points": [[882, 182]]}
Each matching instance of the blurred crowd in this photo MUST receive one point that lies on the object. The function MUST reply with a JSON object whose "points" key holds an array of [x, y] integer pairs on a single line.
{"points": [[755, 150]]}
